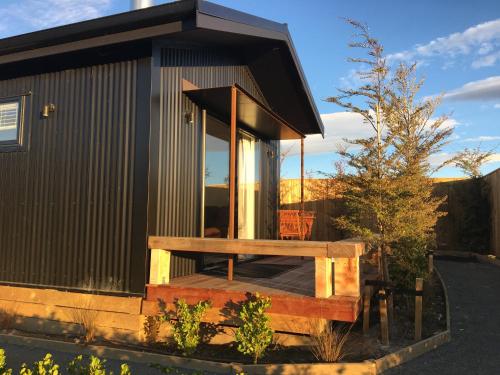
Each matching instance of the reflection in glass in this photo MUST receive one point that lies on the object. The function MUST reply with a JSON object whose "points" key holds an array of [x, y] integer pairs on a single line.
{"points": [[9, 119], [248, 185], [216, 178]]}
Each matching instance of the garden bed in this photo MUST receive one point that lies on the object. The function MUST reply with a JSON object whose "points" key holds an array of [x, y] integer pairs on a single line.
{"points": [[359, 347]]}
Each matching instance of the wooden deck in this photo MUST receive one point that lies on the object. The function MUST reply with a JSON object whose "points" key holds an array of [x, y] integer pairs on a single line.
{"points": [[298, 281], [304, 284], [294, 305]]}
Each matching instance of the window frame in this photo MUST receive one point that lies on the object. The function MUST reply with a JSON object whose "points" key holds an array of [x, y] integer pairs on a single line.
{"points": [[21, 142]]}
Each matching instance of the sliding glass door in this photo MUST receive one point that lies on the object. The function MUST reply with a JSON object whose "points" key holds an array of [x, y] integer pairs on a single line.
{"points": [[216, 187], [252, 196], [249, 173]]}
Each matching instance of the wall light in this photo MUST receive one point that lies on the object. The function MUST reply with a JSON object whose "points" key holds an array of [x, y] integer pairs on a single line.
{"points": [[189, 118], [47, 108]]}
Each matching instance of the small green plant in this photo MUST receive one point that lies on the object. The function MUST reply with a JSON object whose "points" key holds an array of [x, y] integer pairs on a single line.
{"points": [[95, 366], [255, 334], [3, 364], [187, 323], [46, 366], [125, 370]]}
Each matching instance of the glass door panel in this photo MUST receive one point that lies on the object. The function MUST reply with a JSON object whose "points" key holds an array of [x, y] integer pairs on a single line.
{"points": [[216, 189], [249, 173]]}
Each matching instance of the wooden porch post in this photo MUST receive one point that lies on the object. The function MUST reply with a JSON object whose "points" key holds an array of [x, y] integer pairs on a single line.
{"points": [[323, 277], [159, 271], [232, 179], [347, 277], [302, 234]]}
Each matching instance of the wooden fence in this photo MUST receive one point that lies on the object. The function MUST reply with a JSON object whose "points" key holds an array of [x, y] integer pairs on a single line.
{"points": [[472, 221], [493, 183]]}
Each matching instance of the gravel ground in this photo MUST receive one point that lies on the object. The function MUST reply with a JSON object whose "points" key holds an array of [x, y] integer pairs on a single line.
{"points": [[474, 296]]}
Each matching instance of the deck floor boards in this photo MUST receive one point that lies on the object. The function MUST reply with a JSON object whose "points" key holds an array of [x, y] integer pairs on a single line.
{"points": [[298, 281]]}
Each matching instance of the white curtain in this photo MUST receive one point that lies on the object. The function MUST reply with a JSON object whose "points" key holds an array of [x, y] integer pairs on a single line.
{"points": [[246, 187]]}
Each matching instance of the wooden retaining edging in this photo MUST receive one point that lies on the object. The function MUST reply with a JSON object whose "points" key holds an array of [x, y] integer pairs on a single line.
{"points": [[369, 367]]}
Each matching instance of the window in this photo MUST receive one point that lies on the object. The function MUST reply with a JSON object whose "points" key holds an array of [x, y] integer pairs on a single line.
{"points": [[9, 121], [12, 123]]}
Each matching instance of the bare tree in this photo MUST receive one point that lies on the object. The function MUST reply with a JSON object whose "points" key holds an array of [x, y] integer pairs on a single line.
{"points": [[470, 161]]}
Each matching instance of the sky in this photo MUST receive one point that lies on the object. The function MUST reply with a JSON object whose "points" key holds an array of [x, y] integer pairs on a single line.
{"points": [[456, 44]]}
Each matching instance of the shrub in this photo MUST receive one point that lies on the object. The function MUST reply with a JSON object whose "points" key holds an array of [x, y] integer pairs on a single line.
{"points": [[95, 366], [151, 328], [328, 344], [86, 316], [255, 334], [408, 261], [3, 364], [46, 366], [125, 370], [186, 323]]}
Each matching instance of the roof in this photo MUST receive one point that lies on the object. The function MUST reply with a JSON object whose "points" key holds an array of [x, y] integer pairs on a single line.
{"points": [[266, 46], [250, 112]]}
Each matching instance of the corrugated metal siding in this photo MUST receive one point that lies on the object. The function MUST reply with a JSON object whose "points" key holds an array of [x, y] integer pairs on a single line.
{"points": [[179, 179], [269, 184], [66, 204]]}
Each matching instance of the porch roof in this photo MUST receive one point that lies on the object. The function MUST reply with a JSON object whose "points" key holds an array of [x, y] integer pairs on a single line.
{"points": [[249, 111]]}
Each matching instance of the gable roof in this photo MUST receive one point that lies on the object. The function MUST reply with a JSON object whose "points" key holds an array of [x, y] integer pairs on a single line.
{"points": [[265, 45]]}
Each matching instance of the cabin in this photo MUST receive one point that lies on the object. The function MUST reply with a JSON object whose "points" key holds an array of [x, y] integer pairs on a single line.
{"points": [[139, 160]]}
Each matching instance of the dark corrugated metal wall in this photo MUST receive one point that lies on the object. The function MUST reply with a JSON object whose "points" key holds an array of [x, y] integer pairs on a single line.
{"points": [[66, 204], [269, 185], [179, 179]]}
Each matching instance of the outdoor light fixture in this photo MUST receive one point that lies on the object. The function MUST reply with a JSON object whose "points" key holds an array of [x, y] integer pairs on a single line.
{"points": [[47, 108], [189, 118]]}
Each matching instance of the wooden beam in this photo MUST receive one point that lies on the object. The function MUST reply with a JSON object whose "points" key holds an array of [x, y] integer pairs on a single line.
{"points": [[232, 178], [159, 271], [347, 277], [341, 249], [323, 277], [350, 248], [345, 309]]}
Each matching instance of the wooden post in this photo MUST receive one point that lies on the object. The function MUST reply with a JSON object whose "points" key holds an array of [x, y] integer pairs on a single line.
{"points": [[302, 233], [347, 278], [323, 277], [366, 308], [203, 167], [384, 324], [431, 262], [419, 287], [232, 179], [159, 271]]}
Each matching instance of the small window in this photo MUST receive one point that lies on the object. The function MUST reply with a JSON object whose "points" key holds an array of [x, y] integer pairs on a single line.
{"points": [[12, 132], [9, 121]]}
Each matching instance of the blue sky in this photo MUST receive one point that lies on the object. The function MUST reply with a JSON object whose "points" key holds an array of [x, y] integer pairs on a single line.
{"points": [[456, 43]]}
